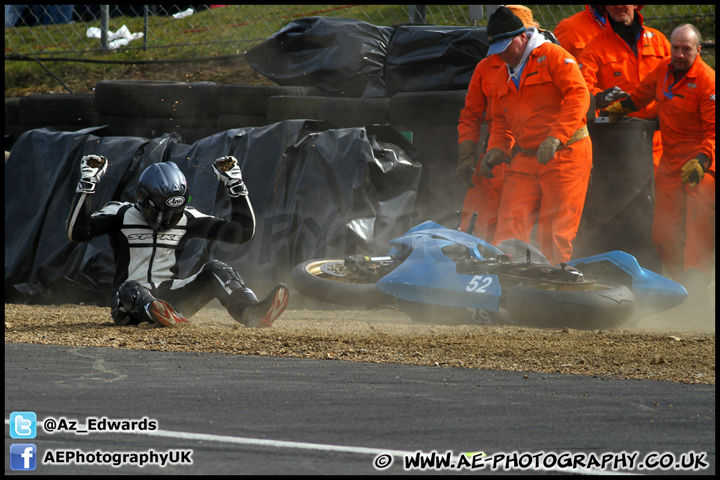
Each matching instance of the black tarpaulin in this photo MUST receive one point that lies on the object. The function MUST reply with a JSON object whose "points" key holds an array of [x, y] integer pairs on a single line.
{"points": [[340, 56], [433, 58], [316, 190], [352, 58]]}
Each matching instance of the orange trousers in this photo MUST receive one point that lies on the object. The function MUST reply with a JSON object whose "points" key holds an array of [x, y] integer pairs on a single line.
{"points": [[684, 222], [552, 195], [484, 198]]}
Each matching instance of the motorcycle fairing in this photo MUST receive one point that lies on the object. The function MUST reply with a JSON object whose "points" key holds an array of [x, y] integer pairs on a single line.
{"points": [[438, 232], [651, 290], [427, 275]]}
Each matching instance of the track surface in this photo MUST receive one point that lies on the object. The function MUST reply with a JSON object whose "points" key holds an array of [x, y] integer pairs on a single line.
{"points": [[242, 414]]}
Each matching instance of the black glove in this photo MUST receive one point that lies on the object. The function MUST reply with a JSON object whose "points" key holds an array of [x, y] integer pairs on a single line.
{"points": [[466, 162], [491, 159]]}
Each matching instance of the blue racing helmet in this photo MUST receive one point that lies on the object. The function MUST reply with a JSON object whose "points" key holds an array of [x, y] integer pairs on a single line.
{"points": [[162, 195]]}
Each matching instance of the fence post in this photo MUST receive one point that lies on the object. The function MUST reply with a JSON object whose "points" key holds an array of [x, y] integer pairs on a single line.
{"points": [[145, 20], [417, 14], [476, 14], [104, 23], [490, 9]]}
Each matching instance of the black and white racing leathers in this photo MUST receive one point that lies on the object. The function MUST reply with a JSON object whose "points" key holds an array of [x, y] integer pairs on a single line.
{"points": [[146, 260]]}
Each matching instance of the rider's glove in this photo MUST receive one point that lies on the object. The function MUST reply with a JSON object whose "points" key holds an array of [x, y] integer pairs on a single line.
{"points": [[227, 170], [694, 170], [607, 97], [466, 162], [546, 150], [92, 168], [492, 159]]}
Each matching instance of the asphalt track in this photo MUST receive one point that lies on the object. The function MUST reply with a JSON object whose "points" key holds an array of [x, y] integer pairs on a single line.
{"points": [[268, 415]]}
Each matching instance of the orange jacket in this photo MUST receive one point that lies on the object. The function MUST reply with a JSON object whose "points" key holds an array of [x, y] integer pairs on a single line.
{"points": [[607, 61], [553, 100], [478, 100], [687, 110], [576, 31]]}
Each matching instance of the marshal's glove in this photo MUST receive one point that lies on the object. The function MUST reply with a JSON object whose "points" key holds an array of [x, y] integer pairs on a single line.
{"points": [[609, 96], [227, 170], [694, 170], [546, 150], [621, 108], [492, 159], [466, 162], [92, 168]]}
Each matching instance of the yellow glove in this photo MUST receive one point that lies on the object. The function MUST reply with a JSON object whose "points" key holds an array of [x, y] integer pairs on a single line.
{"points": [[466, 162], [693, 171], [619, 109]]}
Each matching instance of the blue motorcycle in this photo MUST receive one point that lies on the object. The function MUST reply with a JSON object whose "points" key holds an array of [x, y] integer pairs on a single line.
{"points": [[439, 275]]}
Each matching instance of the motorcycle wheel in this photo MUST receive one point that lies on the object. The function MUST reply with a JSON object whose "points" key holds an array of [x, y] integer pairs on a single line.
{"points": [[328, 280], [588, 307]]}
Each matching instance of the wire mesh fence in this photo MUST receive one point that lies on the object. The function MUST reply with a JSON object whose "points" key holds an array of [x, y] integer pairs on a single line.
{"points": [[175, 31]]}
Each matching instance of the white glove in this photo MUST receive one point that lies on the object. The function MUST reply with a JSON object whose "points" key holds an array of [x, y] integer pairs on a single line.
{"points": [[92, 168], [227, 170]]}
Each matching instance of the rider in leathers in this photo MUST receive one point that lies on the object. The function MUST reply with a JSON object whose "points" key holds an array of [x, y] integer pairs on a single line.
{"points": [[148, 237]]}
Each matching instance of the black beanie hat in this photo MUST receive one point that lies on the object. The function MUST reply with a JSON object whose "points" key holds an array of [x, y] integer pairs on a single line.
{"points": [[502, 27]]}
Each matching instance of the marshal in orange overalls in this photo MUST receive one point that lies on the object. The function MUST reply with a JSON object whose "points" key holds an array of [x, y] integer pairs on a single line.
{"points": [[684, 217], [576, 31], [607, 61], [484, 197], [552, 100]]}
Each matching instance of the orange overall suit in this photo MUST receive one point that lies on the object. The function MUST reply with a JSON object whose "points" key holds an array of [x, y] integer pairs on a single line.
{"points": [[551, 99], [684, 217], [607, 61], [576, 31], [484, 196]]}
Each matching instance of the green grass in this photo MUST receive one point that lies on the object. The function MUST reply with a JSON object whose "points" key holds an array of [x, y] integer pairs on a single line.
{"points": [[235, 29]]}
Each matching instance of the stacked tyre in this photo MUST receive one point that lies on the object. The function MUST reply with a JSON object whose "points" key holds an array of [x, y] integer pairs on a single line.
{"points": [[247, 105], [344, 112], [149, 109], [192, 110], [67, 112]]}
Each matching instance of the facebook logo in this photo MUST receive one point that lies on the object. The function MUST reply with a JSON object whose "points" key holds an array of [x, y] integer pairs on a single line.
{"points": [[23, 456], [23, 425]]}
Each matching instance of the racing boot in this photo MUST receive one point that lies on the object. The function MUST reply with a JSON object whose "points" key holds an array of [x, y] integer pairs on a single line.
{"points": [[162, 313], [246, 309]]}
